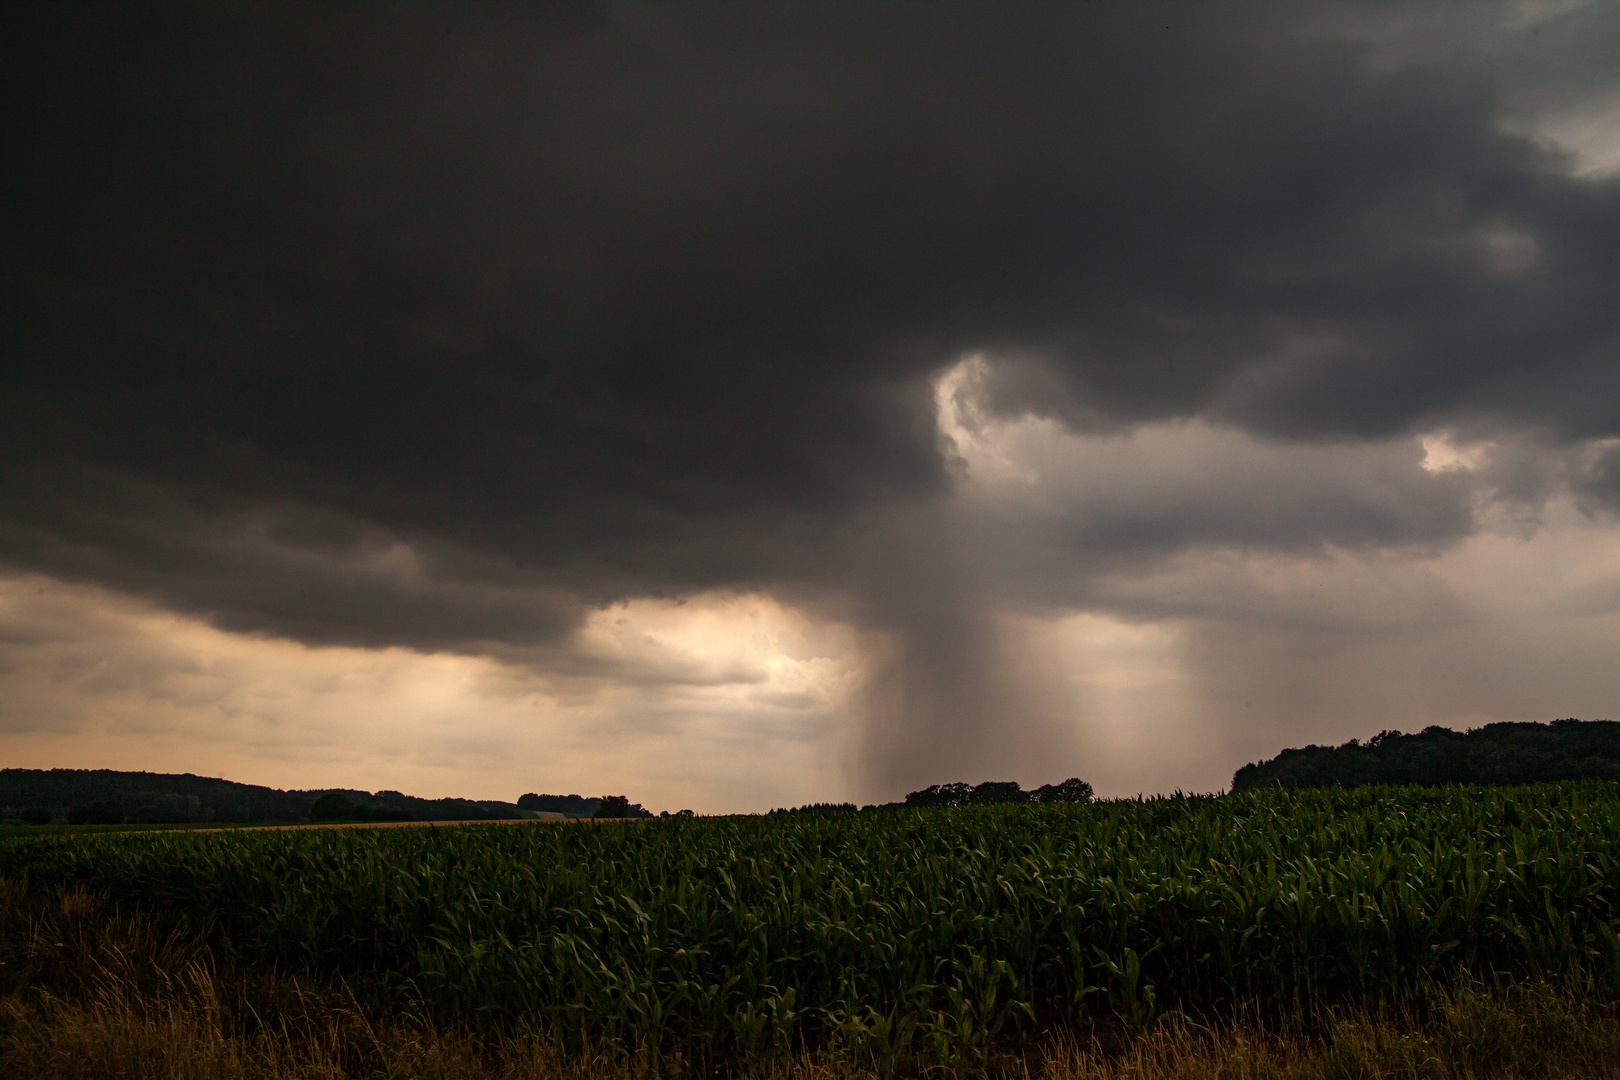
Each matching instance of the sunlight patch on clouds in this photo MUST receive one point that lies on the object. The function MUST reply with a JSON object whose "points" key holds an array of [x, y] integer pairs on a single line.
{"points": [[1035, 490], [1590, 133], [979, 440], [718, 703], [712, 640], [1441, 452]]}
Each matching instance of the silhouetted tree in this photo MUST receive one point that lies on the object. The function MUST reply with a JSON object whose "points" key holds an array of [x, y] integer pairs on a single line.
{"points": [[1072, 790], [940, 795], [617, 806], [997, 793], [817, 808]]}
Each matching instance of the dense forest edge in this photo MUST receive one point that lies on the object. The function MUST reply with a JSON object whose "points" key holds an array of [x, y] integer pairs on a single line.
{"points": [[1496, 754]]}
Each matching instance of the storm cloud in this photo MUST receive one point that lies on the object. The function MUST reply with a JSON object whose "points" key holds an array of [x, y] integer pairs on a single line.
{"points": [[445, 328]]}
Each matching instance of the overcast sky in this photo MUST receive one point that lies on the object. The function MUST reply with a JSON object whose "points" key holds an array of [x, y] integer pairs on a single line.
{"points": [[736, 406]]}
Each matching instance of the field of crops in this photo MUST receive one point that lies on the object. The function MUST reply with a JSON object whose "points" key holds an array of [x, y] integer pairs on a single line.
{"points": [[927, 932]]}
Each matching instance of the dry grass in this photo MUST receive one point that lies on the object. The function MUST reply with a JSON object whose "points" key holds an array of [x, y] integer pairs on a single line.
{"points": [[1468, 1034], [86, 991]]}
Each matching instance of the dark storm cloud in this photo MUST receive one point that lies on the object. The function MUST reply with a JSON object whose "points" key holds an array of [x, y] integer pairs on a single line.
{"points": [[1116, 507], [307, 575], [587, 302]]}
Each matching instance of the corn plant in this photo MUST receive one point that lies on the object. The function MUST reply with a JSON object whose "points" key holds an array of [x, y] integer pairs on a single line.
{"points": [[926, 933]]}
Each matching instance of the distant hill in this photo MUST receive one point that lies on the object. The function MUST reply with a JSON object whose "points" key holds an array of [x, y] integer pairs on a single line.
{"points": [[182, 798], [1507, 753]]}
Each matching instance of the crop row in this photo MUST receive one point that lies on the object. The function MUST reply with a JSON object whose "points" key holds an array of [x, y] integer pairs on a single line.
{"points": [[909, 931]]}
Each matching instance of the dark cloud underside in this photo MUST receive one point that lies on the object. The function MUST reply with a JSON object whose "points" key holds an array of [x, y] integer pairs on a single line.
{"points": [[585, 302]]}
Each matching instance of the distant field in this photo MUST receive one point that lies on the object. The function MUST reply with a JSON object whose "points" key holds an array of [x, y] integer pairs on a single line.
{"points": [[927, 935]]}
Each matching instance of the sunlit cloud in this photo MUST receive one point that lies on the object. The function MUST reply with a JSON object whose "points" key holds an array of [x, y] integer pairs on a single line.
{"points": [[1441, 452], [716, 703]]}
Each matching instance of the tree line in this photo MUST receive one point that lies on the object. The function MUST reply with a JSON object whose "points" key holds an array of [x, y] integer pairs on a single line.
{"points": [[1000, 793], [989, 793], [604, 806], [1504, 753], [111, 797]]}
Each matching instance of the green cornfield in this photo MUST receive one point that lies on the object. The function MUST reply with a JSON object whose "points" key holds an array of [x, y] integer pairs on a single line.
{"points": [[928, 933]]}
